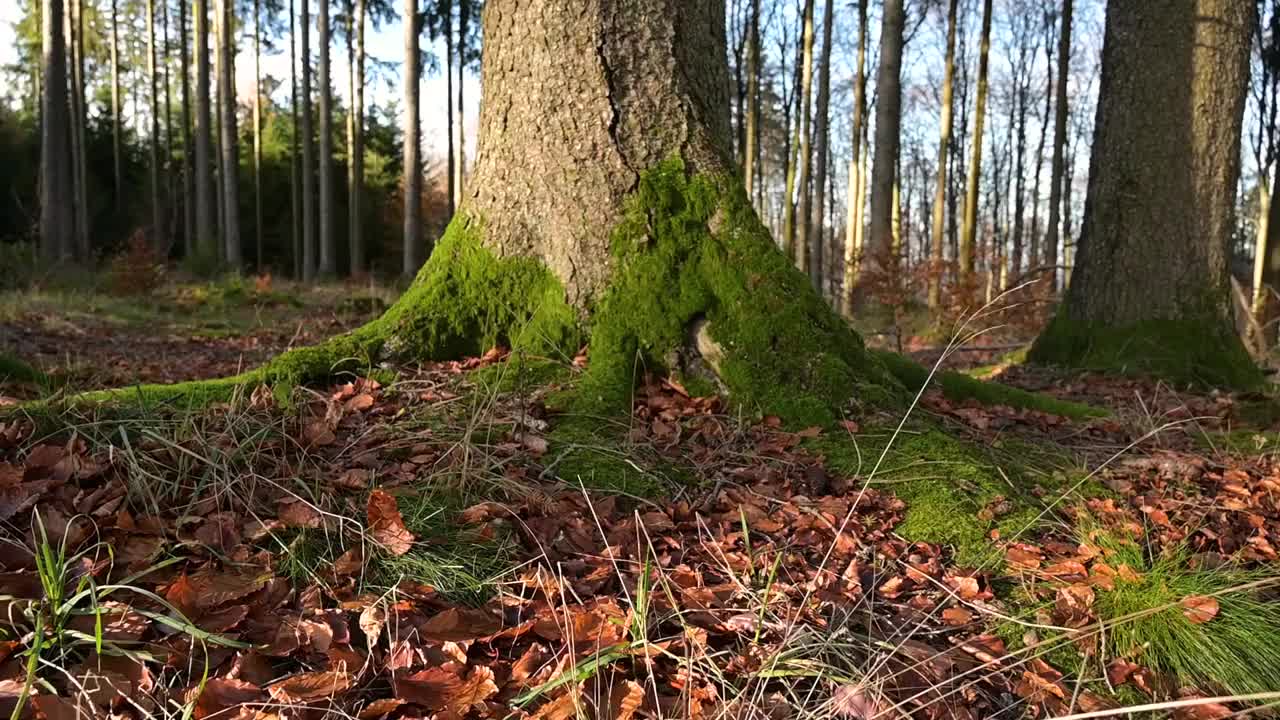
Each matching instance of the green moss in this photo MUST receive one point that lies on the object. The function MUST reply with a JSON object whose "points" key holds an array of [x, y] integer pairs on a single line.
{"points": [[522, 372], [1183, 351], [691, 249], [594, 452], [960, 387]]}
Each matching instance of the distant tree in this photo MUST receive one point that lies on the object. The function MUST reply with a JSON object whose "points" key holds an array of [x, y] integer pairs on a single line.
{"points": [[158, 224], [328, 241], [888, 134], [57, 233], [800, 245], [1057, 167], [946, 124], [822, 140], [412, 240], [229, 168], [308, 169], [970, 232], [116, 177], [1150, 286], [206, 238], [857, 177]]}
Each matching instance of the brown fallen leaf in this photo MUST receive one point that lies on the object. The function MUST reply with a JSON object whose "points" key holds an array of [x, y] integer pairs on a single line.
{"points": [[310, 686], [221, 694], [855, 702], [1200, 608], [386, 525]]}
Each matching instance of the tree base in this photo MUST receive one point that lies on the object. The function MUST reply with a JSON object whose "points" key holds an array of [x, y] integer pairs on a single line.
{"points": [[1186, 352]]}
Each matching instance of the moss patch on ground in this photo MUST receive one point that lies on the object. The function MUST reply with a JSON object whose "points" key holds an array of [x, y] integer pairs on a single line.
{"points": [[960, 387], [1187, 352]]}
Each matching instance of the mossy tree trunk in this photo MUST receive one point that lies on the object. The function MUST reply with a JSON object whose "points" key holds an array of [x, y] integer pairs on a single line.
{"points": [[1150, 287], [605, 208]]}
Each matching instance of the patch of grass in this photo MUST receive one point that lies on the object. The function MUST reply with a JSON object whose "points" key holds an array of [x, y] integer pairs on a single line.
{"points": [[13, 369], [522, 373], [595, 452]]}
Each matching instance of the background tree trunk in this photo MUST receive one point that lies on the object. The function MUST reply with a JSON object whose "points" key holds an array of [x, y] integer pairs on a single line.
{"points": [[1058, 163], [257, 134], [118, 183], [822, 133], [188, 187], [446, 10], [159, 241], [79, 114], [412, 241], [295, 171], [750, 158], [309, 249], [970, 232], [944, 148], [1151, 273], [328, 241], [857, 177], [229, 170], [460, 148], [57, 234], [356, 208], [205, 236], [800, 247], [888, 136]]}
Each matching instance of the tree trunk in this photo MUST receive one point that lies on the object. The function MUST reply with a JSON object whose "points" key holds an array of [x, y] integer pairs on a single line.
{"points": [[944, 148], [888, 138], [460, 148], [118, 183], [166, 50], [350, 123], [1150, 290], [79, 141], [1057, 164], [447, 10], [793, 147], [412, 240], [328, 241], [159, 241], [800, 247], [188, 191], [1036, 254], [356, 208], [205, 238], [644, 234], [229, 170], [57, 231], [1267, 274], [750, 159], [970, 231], [822, 133], [309, 260], [295, 171], [257, 134], [857, 178]]}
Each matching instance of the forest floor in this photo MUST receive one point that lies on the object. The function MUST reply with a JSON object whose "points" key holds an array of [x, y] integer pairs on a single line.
{"points": [[449, 543]]}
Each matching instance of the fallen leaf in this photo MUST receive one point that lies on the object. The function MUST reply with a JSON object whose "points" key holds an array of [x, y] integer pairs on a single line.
{"points": [[310, 686], [386, 524], [1200, 608]]}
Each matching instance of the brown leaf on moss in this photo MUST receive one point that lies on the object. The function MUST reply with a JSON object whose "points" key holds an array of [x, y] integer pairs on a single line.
{"points": [[386, 524], [1200, 608]]}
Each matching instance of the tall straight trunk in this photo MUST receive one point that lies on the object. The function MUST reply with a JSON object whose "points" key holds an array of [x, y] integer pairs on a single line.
{"points": [[460, 161], [750, 156], [356, 208], [81, 147], [1019, 121], [822, 133], [447, 8], [57, 228], [801, 245], [118, 183], [1057, 164], [350, 119], [970, 231], [888, 134], [328, 241], [206, 237], [188, 187], [166, 51], [230, 167], [944, 149], [412, 241], [1035, 253], [1150, 291], [1266, 306], [793, 149], [853, 217], [295, 171], [257, 134], [308, 169], [158, 238], [219, 186]]}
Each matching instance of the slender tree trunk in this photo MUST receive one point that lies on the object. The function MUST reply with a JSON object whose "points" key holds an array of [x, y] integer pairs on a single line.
{"points": [[116, 175], [295, 171], [1150, 290], [166, 52], [80, 142], [822, 133], [793, 149], [308, 170], [219, 159], [801, 245], [1057, 166], [1266, 306], [853, 218], [357, 149], [206, 237], [257, 135], [944, 149], [230, 168], [888, 131], [412, 242], [1019, 121], [328, 241], [969, 235], [188, 187], [447, 8], [460, 161], [1036, 253], [751, 159], [158, 225], [57, 230]]}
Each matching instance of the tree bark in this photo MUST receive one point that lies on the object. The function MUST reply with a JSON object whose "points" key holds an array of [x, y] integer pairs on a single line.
{"points": [[229, 169], [257, 134], [1057, 166], [79, 140], [800, 247], [328, 241], [205, 238], [460, 148], [750, 159], [1150, 289], [57, 232], [357, 150], [944, 148], [822, 133], [309, 248], [412, 241], [857, 178], [970, 232], [888, 137], [295, 171], [446, 9]]}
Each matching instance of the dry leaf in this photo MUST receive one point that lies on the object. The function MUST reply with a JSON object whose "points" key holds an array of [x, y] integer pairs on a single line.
{"points": [[386, 525], [1200, 608]]}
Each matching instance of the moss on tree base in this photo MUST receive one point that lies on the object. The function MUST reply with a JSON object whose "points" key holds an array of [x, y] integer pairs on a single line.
{"points": [[1189, 352]]}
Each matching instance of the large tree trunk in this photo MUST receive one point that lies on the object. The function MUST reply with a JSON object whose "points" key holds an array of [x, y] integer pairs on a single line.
{"points": [[206, 239], [822, 137], [888, 137], [1150, 289], [412, 240], [969, 234], [604, 196], [857, 177], [1057, 165], [57, 231], [944, 149], [229, 170], [328, 241]]}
